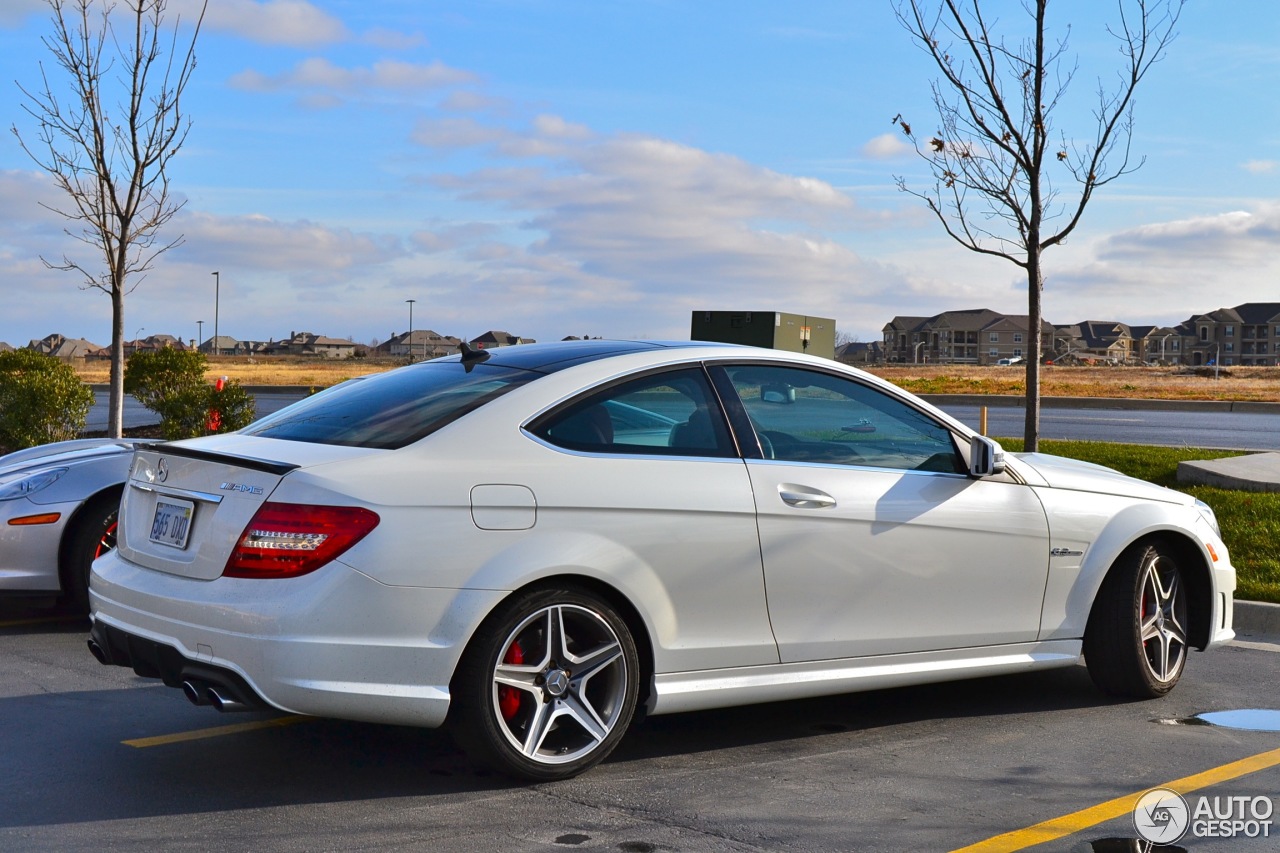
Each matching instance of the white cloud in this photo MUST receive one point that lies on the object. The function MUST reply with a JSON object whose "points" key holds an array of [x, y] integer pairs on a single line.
{"points": [[301, 247], [15, 12], [1165, 272], [296, 23], [450, 133], [470, 101], [322, 74], [392, 39], [887, 146], [637, 232], [1260, 167]]}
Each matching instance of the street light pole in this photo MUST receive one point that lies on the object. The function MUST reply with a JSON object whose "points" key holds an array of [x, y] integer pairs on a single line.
{"points": [[918, 345], [199, 334], [411, 301], [217, 289]]}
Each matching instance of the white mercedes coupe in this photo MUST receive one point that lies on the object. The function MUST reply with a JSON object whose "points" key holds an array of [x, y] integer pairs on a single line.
{"points": [[533, 544]]}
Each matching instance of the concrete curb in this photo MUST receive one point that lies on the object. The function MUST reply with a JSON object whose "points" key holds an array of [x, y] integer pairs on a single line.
{"points": [[1256, 472], [1256, 618]]}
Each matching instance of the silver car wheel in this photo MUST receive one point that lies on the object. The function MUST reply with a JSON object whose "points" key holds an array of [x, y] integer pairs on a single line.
{"points": [[561, 687], [1136, 641], [1162, 618]]}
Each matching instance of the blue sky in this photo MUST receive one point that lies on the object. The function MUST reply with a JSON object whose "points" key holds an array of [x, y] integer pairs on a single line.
{"points": [[605, 168]]}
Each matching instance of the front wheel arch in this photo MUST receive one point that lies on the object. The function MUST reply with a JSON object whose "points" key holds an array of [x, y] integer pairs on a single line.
{"points": [[1113, 661]]}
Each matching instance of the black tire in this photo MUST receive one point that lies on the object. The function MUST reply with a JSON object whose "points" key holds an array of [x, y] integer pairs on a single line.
{"points": [[547, 687], [93, 534], [1135, 644]]}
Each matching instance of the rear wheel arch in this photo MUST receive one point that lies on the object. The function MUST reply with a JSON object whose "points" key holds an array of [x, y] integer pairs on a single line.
{"points": [[567, 688], [626, 610]]}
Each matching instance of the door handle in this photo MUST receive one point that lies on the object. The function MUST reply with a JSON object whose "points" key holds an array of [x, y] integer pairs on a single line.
{"points": [[804, 498]]}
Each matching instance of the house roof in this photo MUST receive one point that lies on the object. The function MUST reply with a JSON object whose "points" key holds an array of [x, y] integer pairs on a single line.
{"points": [[63, 347]]}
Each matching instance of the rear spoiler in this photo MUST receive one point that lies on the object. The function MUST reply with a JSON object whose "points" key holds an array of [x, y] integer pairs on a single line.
{"points": [[250, 462]]}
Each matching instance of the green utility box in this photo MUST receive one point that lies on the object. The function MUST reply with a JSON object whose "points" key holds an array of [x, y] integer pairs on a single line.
{"points": [[768, 329]]}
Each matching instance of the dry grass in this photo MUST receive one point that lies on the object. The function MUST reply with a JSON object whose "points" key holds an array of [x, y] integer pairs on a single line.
{"points": [[311, 372], [1253, 383], [1165, 383]]}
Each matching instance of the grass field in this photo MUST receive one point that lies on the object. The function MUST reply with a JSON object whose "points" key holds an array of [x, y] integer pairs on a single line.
{"points": [[1250, 521]]}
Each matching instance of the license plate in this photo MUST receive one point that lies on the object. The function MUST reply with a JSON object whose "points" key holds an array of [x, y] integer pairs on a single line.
{"points": [[172, 522]]}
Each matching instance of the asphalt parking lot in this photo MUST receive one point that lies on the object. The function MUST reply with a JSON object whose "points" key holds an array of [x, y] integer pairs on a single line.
{"points": [[98, 759]]}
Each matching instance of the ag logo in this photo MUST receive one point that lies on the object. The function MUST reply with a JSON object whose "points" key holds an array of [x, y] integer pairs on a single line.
{"points": [[1161, 816]]}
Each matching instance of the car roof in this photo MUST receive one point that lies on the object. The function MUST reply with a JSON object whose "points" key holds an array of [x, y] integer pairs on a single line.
{"points": [[551, 357]]}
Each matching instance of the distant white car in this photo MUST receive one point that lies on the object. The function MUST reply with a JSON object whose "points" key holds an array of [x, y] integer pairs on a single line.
{"points": [[533, 544], [1009, 362], [57, 513]]}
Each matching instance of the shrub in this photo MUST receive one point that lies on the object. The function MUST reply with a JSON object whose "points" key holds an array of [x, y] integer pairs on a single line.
{"points": [[188, 413], [170, 382], [153, 377], [41, 400]]}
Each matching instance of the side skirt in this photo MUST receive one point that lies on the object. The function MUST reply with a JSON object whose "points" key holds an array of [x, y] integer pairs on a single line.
{"points": [[676, 692]]}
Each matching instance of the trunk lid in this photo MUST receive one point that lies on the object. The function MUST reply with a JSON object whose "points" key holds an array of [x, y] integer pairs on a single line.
{"points": [[186, 504]]}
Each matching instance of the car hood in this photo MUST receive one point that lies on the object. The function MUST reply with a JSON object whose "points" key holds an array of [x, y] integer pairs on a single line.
{"points": [[1059, 472], [65, 453]]}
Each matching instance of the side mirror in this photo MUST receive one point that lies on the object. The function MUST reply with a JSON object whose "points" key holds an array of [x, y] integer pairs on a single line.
{"points": [[778, 394], [986, 457]]}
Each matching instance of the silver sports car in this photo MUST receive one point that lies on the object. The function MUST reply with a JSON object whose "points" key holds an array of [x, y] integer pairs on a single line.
{"points": [[532, 545], [57, 513]]}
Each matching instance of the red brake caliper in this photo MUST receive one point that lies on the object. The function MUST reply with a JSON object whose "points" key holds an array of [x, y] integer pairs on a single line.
{"points": [[509, 697], [107, 542]]}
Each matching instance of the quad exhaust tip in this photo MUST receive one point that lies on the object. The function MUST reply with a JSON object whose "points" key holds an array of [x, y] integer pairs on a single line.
{"points": [[204, 693], [224, 703], [99, 655]]}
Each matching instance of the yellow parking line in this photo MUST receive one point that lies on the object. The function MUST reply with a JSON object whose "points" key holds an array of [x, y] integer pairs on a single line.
{"points": [[217, 731], [1060, 827]]}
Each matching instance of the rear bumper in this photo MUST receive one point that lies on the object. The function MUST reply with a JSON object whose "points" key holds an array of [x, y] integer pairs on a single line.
{"points": [[149, 659], [335, 643]]}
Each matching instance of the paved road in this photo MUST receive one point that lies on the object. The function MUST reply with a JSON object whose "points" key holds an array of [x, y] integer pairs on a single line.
{"points": [[98, 759], [135, 415], [1231, 430]]}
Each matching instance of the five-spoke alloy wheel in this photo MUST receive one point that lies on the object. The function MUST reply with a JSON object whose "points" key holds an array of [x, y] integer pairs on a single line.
{"points": [[548, 686], [1136, 640]]}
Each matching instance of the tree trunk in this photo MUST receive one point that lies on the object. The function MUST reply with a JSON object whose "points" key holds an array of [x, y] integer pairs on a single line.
{"points": [[115, 399], [1035, 289]]}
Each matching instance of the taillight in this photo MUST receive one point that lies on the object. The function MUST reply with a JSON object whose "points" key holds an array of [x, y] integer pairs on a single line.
{"points": [[288, 540]]}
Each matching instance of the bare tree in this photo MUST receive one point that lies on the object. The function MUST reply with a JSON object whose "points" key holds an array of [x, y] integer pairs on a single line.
{"points": [[108, 145], [993, 158]]}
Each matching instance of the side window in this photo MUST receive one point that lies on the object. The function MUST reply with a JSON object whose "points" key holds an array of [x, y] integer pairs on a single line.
{"points": [[809, 416], [673, 413]]}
